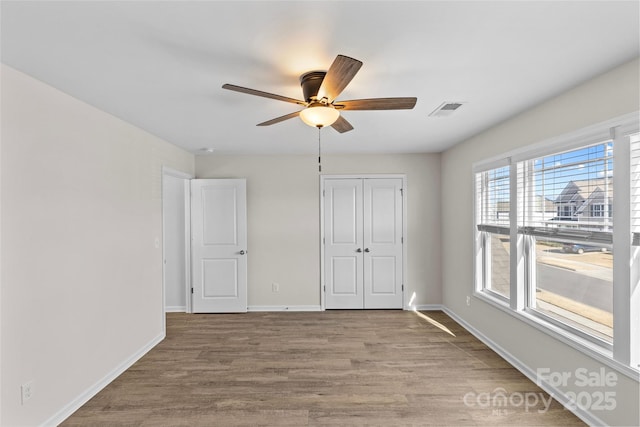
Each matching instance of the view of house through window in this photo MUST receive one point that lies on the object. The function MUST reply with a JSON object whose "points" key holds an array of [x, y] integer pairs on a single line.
{"points": [[567, 217], [493, 225], [563, 272]]}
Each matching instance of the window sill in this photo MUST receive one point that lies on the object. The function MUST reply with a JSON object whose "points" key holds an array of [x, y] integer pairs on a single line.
{"points": [[586, 347]]}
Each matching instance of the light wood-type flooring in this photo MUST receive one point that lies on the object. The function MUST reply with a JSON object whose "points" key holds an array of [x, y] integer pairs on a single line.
{"points": [[332, 368]]}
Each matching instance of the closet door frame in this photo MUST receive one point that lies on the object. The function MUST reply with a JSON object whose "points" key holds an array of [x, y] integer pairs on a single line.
{"points": [[323, 179]]}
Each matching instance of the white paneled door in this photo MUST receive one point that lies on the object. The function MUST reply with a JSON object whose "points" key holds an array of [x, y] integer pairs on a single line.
{"points": [[219, 245], [363, 226], [343, 243]]}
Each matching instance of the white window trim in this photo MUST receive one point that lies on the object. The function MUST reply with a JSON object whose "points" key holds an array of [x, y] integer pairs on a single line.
{"points": [[622, 349], [481, 266], [623, 355]]}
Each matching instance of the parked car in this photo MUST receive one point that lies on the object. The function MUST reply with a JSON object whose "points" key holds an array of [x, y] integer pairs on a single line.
{"points": [[580, 249]]}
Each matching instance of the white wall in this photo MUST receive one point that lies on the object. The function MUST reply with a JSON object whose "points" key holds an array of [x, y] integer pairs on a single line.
{"points": [[81, 274], [612, 94], [283, 208]]}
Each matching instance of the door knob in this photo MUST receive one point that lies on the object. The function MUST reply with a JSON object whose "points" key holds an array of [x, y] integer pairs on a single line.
{"points": [[359, 250], [242, 252], [367, 250]]}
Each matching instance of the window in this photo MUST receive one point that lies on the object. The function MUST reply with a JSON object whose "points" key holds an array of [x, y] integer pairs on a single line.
{"points": [[566, 211], [601, 210], [548, 247], [596, 210], [492, 219], [571, 275]]}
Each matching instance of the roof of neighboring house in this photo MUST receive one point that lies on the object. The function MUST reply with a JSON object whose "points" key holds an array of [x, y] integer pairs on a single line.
{"points": [[597, 197], [570, 193], [586, 190]]}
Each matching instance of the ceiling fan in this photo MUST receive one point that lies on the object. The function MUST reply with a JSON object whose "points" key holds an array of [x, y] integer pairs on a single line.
{"points": [[320, 90]]}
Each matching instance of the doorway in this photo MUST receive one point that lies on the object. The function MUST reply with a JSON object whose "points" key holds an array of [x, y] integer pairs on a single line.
{"points": [[175, 239], [204, 229]]}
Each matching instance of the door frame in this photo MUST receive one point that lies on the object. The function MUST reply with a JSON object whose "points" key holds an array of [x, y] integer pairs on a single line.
{"points": [[167, 171], [323, 179]]}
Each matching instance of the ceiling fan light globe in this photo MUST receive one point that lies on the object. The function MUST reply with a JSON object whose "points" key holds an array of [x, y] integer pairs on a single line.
{"points": [[319, 116]]}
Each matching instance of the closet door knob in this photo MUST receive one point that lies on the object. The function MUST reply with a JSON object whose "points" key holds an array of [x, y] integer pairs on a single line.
{"points": [[359, 250], [367, 250], [242, 252]]}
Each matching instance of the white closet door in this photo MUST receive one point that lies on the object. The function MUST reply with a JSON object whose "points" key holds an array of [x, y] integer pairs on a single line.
{"points": [[343, 243], [382, 243], [219, 245], [363, 223]]}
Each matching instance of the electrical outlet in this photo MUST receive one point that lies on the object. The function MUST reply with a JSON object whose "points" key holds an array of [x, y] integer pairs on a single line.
{"points": [[27, 391], [468, 300], [275, 287]]}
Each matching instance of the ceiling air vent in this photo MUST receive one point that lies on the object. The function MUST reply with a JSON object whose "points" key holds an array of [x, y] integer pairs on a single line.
{"points": [[446, 109]]}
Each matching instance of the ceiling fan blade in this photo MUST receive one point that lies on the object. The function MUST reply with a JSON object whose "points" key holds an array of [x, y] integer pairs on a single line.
{"points": [[263, 94], [377, 104], [279, 119], [342, 125], [338, 77]]}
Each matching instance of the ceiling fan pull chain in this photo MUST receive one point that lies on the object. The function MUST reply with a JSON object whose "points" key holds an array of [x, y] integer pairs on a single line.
{"points": [[319, 155]]}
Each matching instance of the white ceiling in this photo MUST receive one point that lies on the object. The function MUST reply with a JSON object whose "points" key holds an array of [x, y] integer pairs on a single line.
{"points": [[160, 65]]}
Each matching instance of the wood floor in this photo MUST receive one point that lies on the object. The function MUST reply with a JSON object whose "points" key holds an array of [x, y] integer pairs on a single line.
{"points": [[332, 368]]}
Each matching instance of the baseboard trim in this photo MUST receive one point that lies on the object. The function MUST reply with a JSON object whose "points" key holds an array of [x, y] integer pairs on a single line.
{"points": [[84, 397], [284, 308], [175, 309], [424, 307], [555, 392]]}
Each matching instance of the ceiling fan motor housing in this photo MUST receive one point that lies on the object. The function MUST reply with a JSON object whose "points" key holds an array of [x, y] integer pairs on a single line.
{"points": [[310, 83]]}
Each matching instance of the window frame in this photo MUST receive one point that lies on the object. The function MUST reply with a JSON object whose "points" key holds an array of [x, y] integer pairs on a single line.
{"points": [[564, 234], [482, 262], [621, 354]]}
